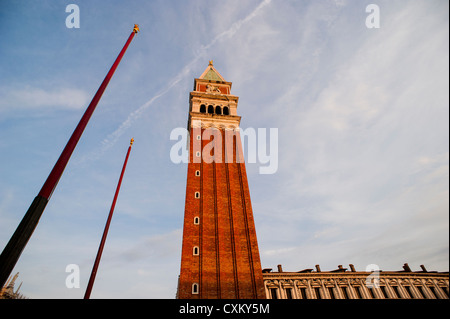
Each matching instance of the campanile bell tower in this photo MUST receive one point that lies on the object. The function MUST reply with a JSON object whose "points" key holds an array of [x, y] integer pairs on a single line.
{"points": [[220, 256]]}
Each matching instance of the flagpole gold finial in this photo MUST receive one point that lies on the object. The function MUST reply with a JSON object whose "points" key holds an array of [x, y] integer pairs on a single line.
{"points": [[211, 62], [136, 28], [131, 141]]}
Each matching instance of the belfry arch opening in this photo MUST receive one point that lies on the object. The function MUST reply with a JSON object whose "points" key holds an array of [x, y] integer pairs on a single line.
{"points": [[203, 108], [218, 110], [210, 109]]}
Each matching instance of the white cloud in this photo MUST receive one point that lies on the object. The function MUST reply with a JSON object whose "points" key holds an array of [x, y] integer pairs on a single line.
{"points": [[37, 98], [364, 152]]}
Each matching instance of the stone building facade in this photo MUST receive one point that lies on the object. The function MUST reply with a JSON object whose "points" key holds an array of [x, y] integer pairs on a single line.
{"points": [[343, 284]]}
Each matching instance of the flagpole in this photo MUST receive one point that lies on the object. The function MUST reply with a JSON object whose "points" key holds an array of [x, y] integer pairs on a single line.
{"points": [[105, 232], [19, 239]]}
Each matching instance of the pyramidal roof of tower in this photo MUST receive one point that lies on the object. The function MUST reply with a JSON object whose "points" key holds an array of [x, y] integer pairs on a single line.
{"points": [[211, 74]]}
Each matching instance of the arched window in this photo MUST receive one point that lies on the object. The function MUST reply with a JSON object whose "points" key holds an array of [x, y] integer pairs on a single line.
{"points": [[226, 111], [195, 251], [197, 194], [203, 108], [195, 289], [196, 220], [218, 110], [210, 109], [197, 173]]}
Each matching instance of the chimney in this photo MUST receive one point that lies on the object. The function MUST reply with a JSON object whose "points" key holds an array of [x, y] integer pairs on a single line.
{"points": [[352, 267], [406, 267], [318, 268], [423, 268], [280, 269]]}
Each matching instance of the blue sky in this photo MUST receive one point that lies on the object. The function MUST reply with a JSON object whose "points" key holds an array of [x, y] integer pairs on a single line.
{"points": [[362, 117]]}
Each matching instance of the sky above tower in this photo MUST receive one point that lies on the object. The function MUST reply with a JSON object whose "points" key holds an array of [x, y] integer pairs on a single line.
{"points": [[361, 106]]}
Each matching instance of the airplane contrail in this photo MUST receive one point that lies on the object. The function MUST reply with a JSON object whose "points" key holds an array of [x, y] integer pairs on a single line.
{"points": [[112, 138]]}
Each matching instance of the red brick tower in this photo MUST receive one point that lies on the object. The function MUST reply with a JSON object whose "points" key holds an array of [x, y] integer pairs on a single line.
{"points": [[220, 257]]}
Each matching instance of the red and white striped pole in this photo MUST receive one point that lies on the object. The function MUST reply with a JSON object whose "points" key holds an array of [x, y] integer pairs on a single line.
{"points": [[19, 239], [105, 232]]}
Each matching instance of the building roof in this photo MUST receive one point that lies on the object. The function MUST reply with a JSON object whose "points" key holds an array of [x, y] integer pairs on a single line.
{"points": [[340, 269], [211, 74]]}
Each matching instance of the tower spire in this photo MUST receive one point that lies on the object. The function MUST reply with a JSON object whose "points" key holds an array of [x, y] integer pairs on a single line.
{"points": [[211, 73]]}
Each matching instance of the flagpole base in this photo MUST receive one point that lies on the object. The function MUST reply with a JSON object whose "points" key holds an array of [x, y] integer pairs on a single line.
{"points": [[19, 239]]}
